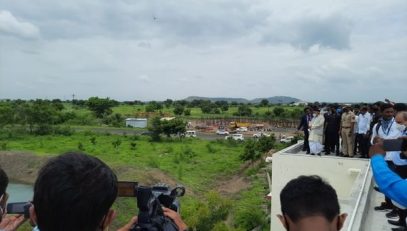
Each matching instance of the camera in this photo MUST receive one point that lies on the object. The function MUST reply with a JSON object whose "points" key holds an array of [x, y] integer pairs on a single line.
{"points": [[150, 201]]}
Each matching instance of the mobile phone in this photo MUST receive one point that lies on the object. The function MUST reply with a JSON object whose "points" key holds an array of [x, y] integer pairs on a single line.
{"points": [[19, 208], [127, 188], [393, 145]]}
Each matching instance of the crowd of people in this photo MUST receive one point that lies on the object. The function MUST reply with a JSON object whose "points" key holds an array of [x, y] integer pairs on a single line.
{"points": [[348, 131], [73, 191]]}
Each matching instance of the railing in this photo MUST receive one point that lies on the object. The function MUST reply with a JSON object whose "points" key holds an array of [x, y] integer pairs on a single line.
{"points": [[355, 210]]}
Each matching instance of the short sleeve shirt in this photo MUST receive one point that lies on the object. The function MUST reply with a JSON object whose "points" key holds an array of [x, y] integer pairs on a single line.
{"points": [[347, 119]]}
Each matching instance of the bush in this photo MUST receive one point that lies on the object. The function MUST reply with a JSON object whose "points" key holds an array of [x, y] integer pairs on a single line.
{"points": [[187, 150], [93, 140], [210, 148], [153, 163], [3, 145], [116, 143], [133, 145], [204, 216], [65, 131], [81, 147], [249, 218]]}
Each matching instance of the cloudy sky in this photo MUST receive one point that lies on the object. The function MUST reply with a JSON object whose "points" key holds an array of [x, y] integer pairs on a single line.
{"points": [[323, 50]]}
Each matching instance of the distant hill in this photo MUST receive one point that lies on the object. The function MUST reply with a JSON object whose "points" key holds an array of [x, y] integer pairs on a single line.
{"points": [[272, 100], [278, 99]]}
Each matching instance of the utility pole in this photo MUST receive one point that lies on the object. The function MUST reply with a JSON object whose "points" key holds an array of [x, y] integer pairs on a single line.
{"points": [[73, 97]]}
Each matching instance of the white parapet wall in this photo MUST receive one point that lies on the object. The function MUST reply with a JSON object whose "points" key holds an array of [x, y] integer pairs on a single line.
{"points": [[351, 178]]}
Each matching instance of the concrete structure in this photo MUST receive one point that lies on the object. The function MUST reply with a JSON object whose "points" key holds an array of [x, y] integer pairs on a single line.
{"points": [[351, 177], [136, 122]]}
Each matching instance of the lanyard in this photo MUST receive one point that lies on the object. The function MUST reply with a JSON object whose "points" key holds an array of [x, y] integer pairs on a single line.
{"points": [[388, 129]]}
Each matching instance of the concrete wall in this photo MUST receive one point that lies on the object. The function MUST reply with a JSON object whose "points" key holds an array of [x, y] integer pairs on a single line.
{"points": [[136, 123], [344, 174]]}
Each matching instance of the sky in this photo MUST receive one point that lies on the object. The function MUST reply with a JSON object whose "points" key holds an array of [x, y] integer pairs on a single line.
{"points": [[314, 50]]}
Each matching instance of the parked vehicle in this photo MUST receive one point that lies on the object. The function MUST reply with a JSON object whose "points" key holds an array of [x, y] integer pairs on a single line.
{"points": [[241, 129], [238, 137], [190, 133], [287, 139], [222, 132], [261, 134]]}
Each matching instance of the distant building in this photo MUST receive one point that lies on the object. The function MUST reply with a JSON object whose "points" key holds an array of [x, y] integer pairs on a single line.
{"points": [[136, 122], [300, 103], [167, 118]]}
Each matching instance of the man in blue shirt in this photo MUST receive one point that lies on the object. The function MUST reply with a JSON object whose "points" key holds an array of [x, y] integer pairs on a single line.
{"points": [[390, 183]]}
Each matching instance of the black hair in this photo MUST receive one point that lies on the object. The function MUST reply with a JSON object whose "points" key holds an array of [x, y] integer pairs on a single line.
{"points": [[3, 181], [386, 106], [73, 191], [309, 196], [400, 107]]}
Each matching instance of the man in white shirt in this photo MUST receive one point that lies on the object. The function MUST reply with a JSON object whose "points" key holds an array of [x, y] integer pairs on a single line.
{"points": [[386, 128], [362, 131]]}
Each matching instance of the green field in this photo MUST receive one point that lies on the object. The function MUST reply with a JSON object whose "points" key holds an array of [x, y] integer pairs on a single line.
{"points": [[197, 164]]}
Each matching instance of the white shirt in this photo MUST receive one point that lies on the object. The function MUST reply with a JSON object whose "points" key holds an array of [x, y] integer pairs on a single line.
{"points": [[392, 133], [363, 123]]}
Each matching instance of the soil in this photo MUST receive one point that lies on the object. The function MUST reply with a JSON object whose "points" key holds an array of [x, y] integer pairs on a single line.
{"points": [[239, 182], [21, 167]]}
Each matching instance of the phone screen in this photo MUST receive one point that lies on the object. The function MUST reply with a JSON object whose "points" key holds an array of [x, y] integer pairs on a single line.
{"points": [[127, 189], [393, 145], [16, 208]]}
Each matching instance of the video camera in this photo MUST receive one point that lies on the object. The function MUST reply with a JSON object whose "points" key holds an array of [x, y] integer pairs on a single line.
{"points": [[149, 202]]}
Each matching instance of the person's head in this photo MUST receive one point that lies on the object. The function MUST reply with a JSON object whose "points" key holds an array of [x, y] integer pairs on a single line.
{"points": [[332, 109], [398, 107], [3, 195], [387, 111], [307, 110], [316, 111], [308, 203], [363, 110], [74, 192], [401, 120], [346, 109]]}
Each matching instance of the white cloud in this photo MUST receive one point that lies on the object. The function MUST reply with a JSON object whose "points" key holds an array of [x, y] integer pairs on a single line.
{"points": [[154, 49], [10, 25]]}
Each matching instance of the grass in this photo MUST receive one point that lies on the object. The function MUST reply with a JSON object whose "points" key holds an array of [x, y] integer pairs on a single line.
{"points": [[196, 164]]}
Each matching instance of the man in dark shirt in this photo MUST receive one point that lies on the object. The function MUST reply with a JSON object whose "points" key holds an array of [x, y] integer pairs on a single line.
{"points": [[332, 125], [304, 126]]}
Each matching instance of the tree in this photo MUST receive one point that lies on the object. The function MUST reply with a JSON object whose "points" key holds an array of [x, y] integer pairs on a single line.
{"points": [[101, 106], [6, 114], [243, 110], [187, 112], [179, 109], [206, 107], [168, 103], [153, 106], [155, 128], [173, 127], [278, 111], [250, 152], [264, 103]]}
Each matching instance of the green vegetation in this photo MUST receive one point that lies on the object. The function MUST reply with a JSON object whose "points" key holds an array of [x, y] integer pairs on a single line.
{"points": [[195, 163], [42, 116], [45, 128]]}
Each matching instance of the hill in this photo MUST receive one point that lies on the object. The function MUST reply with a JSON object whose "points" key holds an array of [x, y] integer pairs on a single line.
{"points": [[272, 100]]}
